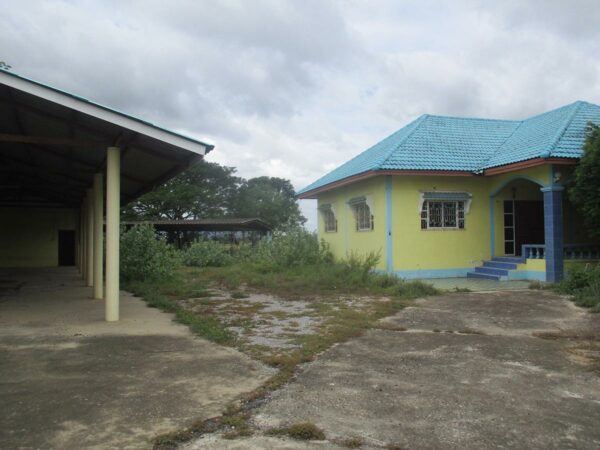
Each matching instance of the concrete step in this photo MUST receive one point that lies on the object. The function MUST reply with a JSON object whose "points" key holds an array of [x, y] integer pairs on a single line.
{"points": [[482, 275], [500, 265], [492, 271]]}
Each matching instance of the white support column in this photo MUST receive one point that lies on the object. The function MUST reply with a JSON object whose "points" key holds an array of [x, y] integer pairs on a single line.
{"points": [[83, 238], [89, 274], [78, 242], [98, 236], [113, 206]]}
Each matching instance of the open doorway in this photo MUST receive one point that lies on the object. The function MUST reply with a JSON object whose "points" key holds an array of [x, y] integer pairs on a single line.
{"points": [[66, 247], [523, 224]]}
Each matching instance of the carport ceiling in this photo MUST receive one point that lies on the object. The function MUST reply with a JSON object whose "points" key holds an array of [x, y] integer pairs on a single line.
{"points": [[53, 142]]}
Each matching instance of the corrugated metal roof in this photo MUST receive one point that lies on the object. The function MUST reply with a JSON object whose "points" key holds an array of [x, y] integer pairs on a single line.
{"points": [[473, 145], [208, 146]]}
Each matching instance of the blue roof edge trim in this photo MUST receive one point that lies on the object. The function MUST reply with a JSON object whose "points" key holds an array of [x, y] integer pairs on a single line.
{"points": [[208, 146]]}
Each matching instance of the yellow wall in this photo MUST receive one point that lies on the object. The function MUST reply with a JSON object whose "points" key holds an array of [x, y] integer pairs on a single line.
{"points": [[29, 236], [417, 249], [429, 252], [347, 240]]}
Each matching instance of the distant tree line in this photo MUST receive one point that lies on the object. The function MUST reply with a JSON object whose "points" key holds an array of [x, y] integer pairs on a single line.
{"points": [[209, 190]]}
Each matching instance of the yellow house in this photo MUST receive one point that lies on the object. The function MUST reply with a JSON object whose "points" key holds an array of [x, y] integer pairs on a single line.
{"points": [[66, 166], [455, 197]]}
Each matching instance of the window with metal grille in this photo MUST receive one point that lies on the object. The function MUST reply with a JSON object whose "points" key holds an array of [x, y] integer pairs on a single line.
{"points": [[330, 221], [364, 219], [439, 215]]}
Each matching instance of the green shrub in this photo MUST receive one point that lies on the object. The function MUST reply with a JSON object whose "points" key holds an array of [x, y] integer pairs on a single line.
{"points": [[292, 248], [143, 256], [207, 254], [584, 284], [577, 278], [360, 267]]}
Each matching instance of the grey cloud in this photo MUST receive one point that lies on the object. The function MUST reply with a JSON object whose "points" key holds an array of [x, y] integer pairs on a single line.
{"points": [[293, 88]]}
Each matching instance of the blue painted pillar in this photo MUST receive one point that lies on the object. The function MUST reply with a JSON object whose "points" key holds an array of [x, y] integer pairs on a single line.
{"points": [[492, 228], [553, 232]]}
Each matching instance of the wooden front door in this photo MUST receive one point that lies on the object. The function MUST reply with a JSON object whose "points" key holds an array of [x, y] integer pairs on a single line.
{"points": [[529, 223]]}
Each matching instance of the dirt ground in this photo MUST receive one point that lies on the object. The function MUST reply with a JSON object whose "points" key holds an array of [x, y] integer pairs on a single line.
{"points": [[513, 369], [70, 380]]}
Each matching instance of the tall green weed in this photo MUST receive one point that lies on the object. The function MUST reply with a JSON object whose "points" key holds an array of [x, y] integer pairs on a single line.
{"points": [[144, 256], [584, 284]]}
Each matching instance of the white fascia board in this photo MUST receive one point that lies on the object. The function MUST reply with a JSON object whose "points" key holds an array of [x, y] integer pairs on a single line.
{"points": [[86, 107]]}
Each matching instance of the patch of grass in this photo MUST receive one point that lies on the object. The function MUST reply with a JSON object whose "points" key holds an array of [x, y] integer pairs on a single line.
{"points": [[161, 295], [208, 327], [537, 285], [304, 431], [470, 331], [389, 327], [239, 294], [352, 442], [313, 280], [583, 283], [236, 421], [462, 289], [202, 292]]}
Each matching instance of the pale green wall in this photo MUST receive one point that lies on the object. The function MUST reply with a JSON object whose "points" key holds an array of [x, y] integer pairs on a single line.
{"points": [[29, 236], [347, 239]]}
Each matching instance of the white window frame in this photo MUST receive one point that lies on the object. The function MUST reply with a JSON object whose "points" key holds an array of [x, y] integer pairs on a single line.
{"points": [[460, 209]]}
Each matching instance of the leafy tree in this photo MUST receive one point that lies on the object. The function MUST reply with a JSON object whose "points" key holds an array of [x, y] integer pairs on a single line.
{"points": [[204, 190], [270, 199], [209, 190], [584, 191]]}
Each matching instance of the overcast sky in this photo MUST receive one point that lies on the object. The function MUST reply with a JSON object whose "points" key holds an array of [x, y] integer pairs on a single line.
{"points": [[294, 88]]}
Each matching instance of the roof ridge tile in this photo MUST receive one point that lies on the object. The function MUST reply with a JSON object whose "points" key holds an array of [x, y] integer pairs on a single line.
{"points": [[499, 149], [561, 131], [384, 159]]}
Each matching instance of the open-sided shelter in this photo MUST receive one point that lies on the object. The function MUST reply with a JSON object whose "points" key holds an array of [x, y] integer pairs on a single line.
{"points": [[65, 162]]}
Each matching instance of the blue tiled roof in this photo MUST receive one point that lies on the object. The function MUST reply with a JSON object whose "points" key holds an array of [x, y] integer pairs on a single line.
{"points": [[473, 145]]}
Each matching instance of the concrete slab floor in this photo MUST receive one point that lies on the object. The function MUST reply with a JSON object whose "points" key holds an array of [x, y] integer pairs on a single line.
{"points": [[459, 371], [70, 380]]}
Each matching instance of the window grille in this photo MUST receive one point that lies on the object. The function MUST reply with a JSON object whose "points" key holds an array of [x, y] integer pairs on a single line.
{"points": [[440, 215], [364, 219], [330, 221]]}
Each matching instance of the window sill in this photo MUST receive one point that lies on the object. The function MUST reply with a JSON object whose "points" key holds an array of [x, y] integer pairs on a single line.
{"points": [[364, 231]]}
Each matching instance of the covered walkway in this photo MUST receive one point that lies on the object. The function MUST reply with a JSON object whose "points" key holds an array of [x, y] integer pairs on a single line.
{"points": [[70, 380]]}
